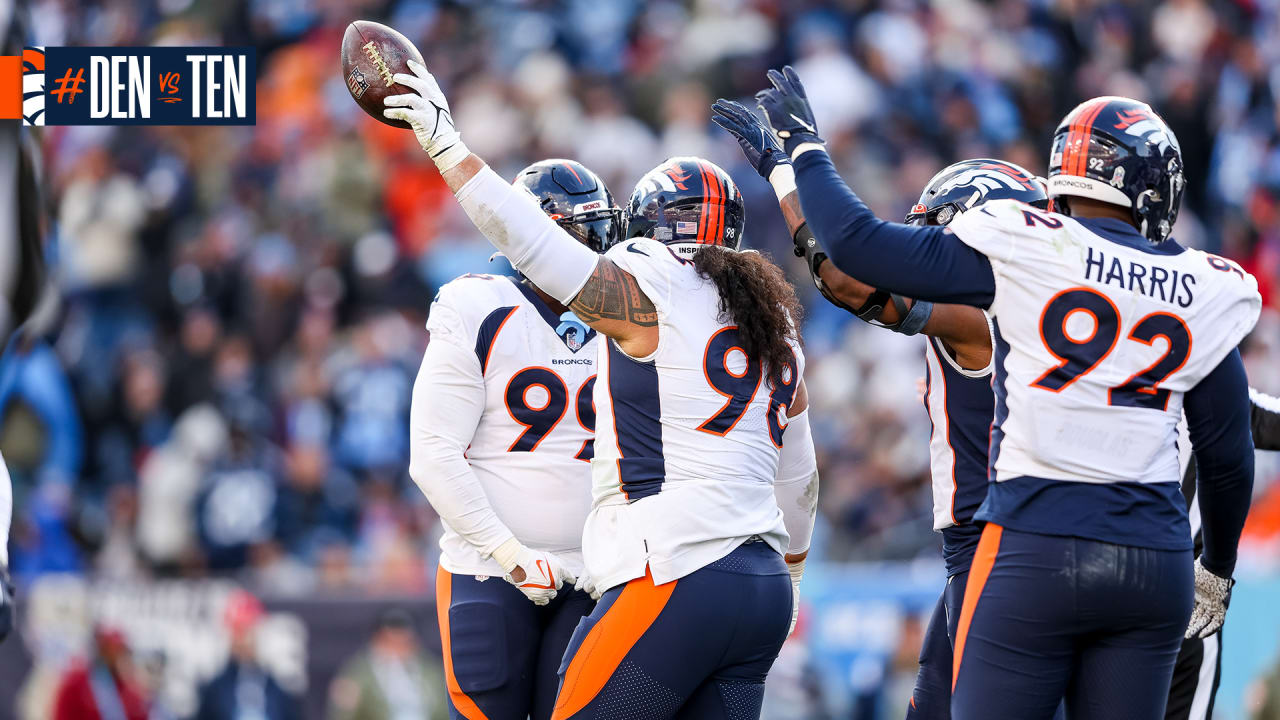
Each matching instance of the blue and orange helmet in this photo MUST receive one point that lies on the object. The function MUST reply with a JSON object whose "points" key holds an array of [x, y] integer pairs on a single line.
{"points": [[685, 203], [576, 198], [1117, 150], [969, 183]]}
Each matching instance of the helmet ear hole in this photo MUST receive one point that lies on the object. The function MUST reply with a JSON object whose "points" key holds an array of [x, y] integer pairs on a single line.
{"points": [[1143, 209]]}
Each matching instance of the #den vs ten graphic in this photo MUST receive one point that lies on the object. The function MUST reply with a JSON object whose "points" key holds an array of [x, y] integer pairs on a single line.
{"points": [[129, 86]]}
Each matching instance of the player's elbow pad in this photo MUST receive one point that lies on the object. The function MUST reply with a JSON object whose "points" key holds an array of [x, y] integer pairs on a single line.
{"points": [[533, 242], [796, 485]]}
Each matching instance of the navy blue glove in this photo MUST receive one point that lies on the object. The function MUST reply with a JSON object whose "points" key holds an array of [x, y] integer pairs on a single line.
{"points": [[8, 615], [757, 141], [786, 107]]}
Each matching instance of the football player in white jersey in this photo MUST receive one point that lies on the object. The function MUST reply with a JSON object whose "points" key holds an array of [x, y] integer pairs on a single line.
{"points": [[958, 357], [1105, 331], [704, 476], [502, 425]]}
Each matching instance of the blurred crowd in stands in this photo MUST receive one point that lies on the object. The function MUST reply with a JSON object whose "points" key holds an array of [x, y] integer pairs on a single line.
{"points": [[242, 309]]}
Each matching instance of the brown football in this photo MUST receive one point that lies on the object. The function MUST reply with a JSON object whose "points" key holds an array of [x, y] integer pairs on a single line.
{"points": [[371, 54]]}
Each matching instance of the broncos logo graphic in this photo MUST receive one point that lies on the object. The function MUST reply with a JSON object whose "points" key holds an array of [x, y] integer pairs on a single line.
{"points": [[982, 181], [33, 85], [677, 176], [1143, 124]]}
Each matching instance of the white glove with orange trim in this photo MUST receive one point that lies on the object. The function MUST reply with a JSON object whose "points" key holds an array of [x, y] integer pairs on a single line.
{"points": [[541, 573]]}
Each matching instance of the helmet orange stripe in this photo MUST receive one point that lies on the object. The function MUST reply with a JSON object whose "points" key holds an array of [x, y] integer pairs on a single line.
{"points": [[713, 205], [1084, 130], [575, 172], [1079, 153], [1072, 145], [724, 197], [1069, 147], [703, 219], [704, 212]]}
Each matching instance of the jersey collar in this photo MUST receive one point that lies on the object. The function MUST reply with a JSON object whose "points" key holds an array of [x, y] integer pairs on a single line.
{"points": [[548, 315], [1122, 233]]}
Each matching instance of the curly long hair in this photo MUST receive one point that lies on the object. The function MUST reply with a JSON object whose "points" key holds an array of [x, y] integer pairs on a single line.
{"points": [[755, 296]]}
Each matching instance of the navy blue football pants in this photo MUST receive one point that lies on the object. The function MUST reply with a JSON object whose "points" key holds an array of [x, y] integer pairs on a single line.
{"points": [[698, 647], [1048, 618], [931, 698], [501, 652]]}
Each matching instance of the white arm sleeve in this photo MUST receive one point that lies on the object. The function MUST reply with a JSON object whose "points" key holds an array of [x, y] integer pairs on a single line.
{"points": [[796, 484], [448, 400], [533, 242], [6, 512]]}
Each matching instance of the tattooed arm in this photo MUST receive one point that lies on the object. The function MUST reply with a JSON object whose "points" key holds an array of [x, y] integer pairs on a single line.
{"points": [[613, 303], [603, 295]]}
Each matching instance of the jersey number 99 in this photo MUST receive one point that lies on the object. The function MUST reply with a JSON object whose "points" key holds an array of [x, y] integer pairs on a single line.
{"points": [[1078, 357], [539, 421]]}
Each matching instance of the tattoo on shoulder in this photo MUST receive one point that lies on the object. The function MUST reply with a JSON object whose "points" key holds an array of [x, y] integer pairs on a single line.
{"points": [[612, 294]]}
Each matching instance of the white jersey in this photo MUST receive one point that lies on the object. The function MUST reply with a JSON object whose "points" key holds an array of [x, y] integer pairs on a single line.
{"points": [[1103, 340], [532, 447], [688, 438], [1098, 334]]}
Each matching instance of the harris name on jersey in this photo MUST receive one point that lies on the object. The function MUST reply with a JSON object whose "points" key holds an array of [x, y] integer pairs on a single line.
{"points": [[1146, 277]]}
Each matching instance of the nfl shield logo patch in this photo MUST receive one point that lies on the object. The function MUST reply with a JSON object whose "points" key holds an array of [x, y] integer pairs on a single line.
{"points": [[572, 331], [356, 83]]}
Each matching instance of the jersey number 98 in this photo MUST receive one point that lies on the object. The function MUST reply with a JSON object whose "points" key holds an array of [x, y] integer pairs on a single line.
{"points": [[1078, 357], [740, 387]]}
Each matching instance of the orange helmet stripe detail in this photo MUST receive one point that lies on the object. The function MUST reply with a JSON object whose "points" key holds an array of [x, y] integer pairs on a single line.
{"points": [[714, 205], [1082, 155], [724, 197], [575, 172], [1076, 152], [703, 216]]}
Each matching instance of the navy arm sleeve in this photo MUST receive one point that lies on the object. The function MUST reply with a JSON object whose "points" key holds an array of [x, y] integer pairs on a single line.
{"points": [[1218, 418], [1266, 422], [926, 263]]}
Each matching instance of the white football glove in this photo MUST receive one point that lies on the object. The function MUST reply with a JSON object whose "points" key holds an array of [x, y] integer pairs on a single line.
{"points": [[797, 571], [427, 111], [544, 573], [1210, 611]]}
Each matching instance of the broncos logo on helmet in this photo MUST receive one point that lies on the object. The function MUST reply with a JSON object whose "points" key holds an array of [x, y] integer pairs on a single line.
{"points": [[1147, 126], [970, 183], [685, 203], [1118, 150]]}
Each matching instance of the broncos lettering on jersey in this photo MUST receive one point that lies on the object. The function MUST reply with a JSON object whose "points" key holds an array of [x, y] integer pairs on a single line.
{"points": [[687, 438], [1098, 334], [532, 447]]}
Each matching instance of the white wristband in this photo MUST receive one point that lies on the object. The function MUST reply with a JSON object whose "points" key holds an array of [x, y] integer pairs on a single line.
{"points": [[506, 554], [803, 148], [783, 180], [796, 569], [451, 156]]}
